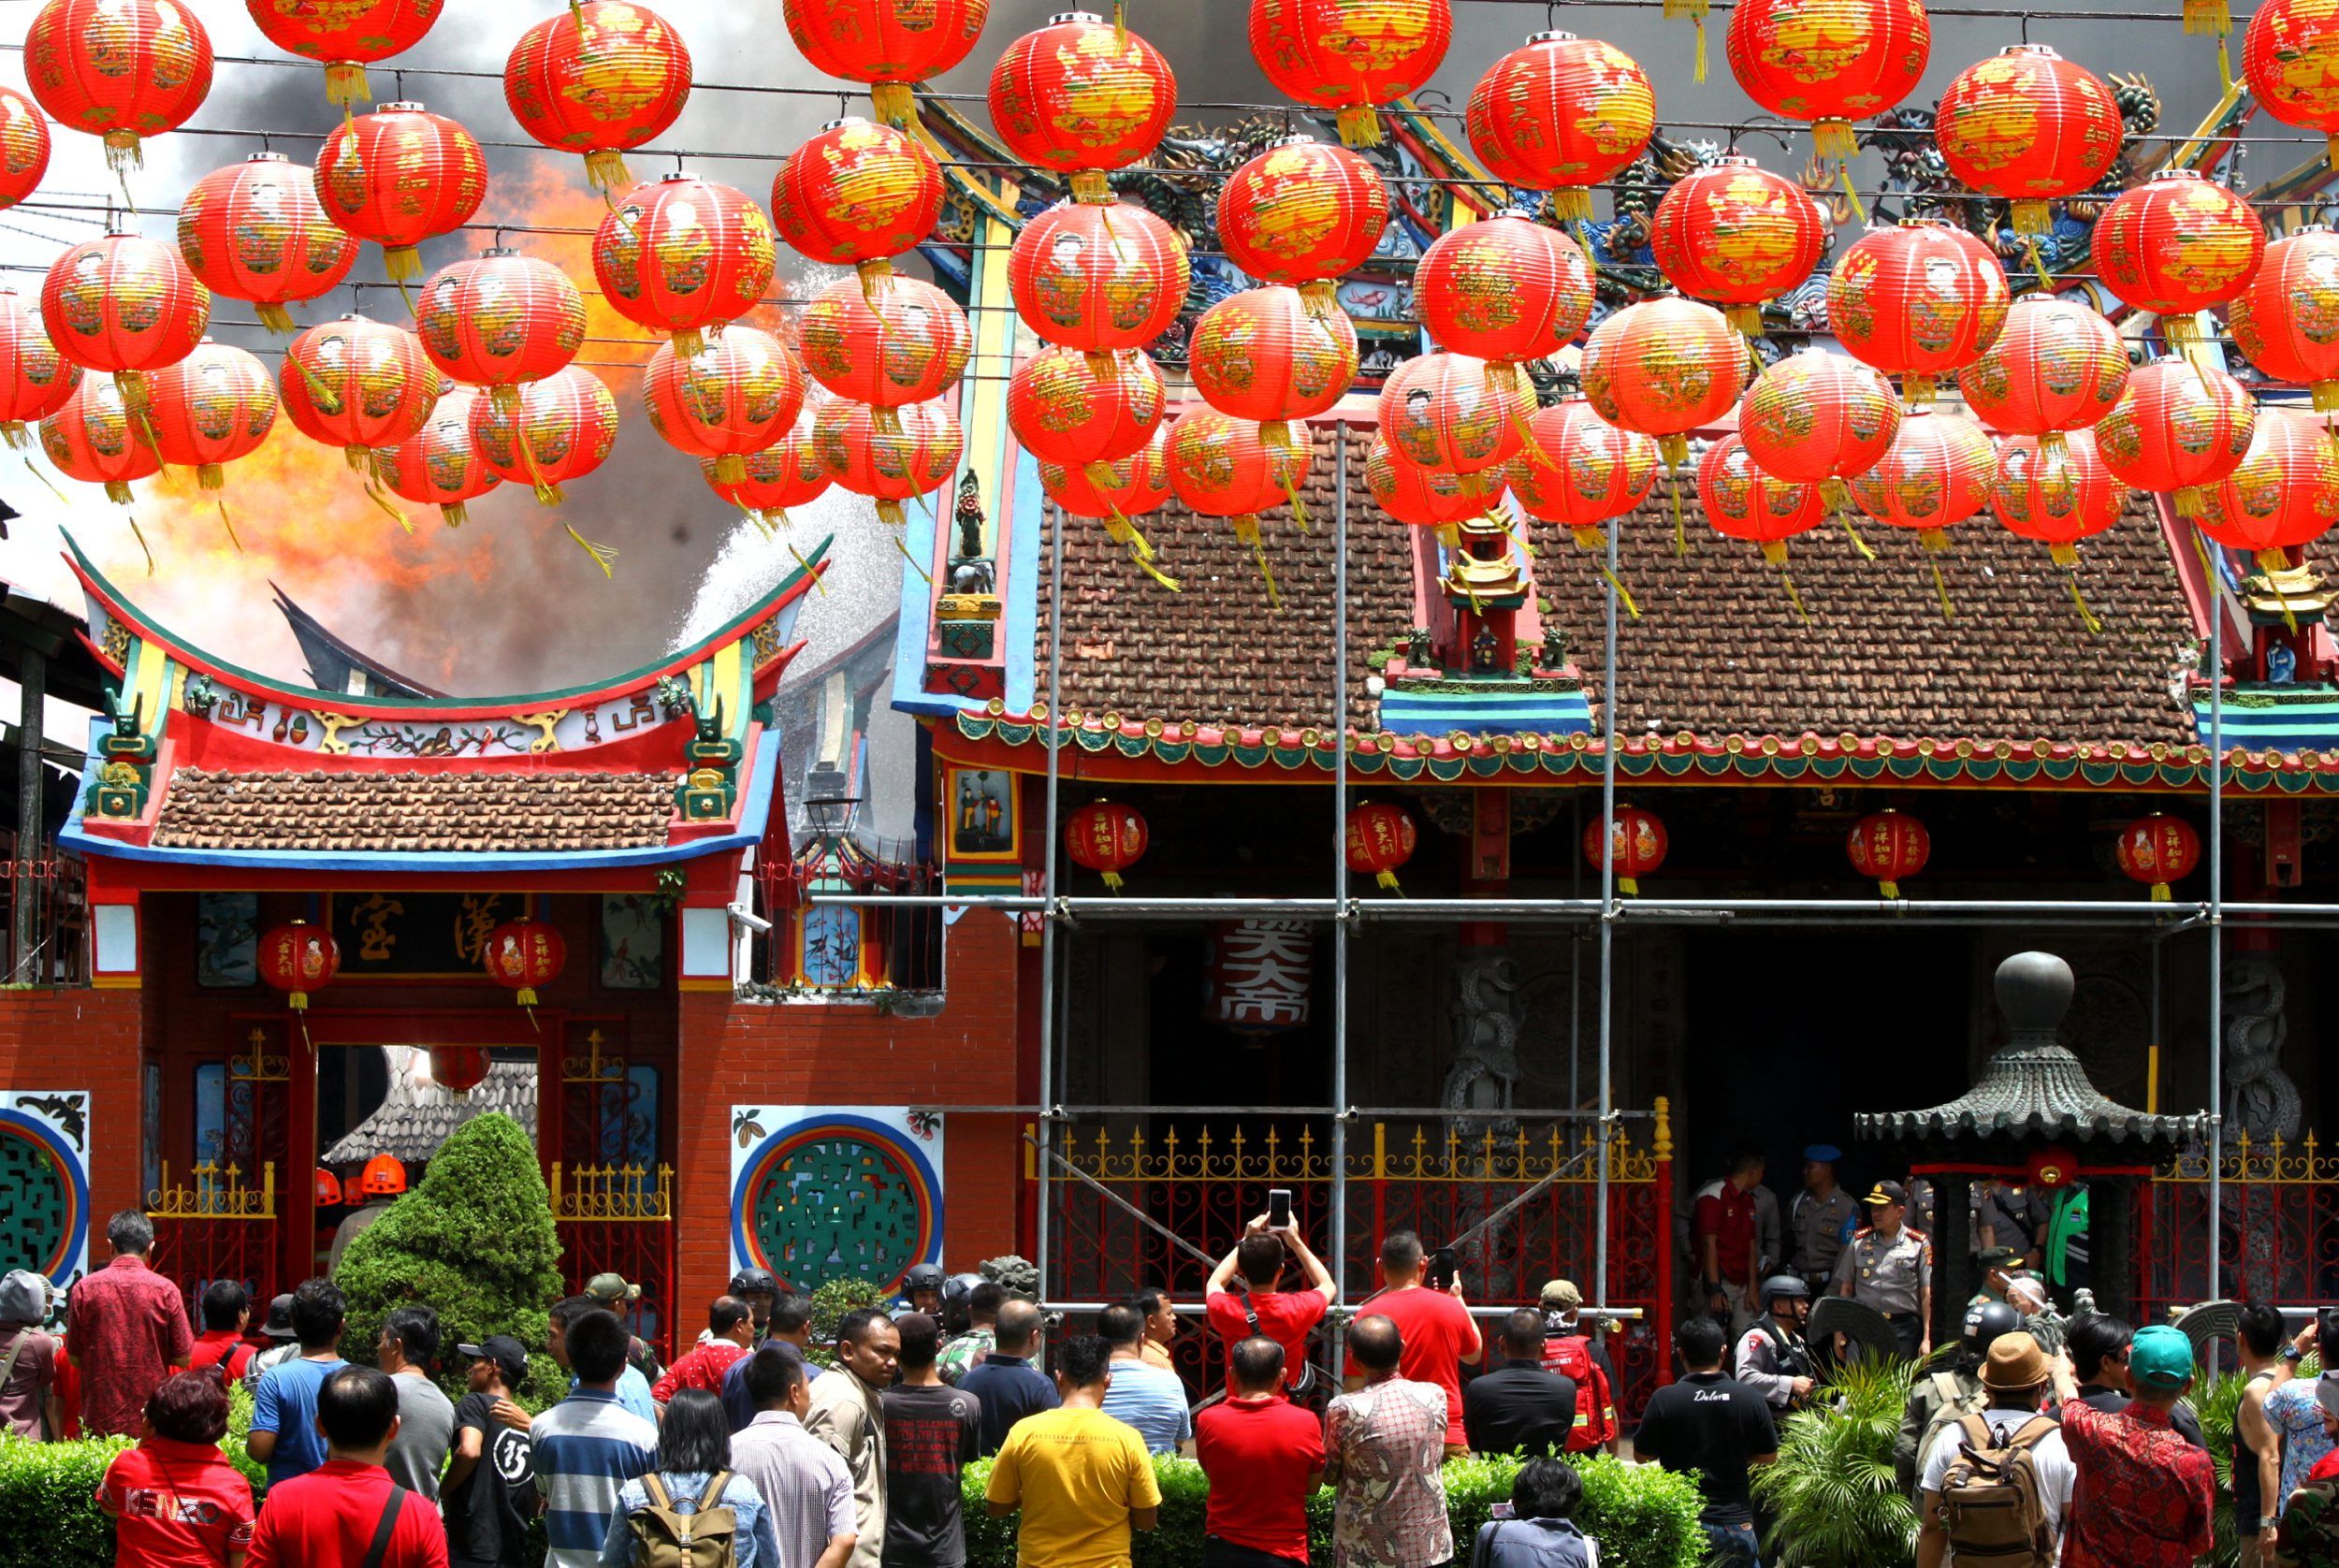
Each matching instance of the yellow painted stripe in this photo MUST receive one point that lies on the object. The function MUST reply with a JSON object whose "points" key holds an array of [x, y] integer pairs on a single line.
{"points": [[154, 676], [982, 399], [727, 670]]}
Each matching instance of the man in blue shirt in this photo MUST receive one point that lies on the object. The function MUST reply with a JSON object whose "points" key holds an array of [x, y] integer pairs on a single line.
{"points": [[1007, 1384], [632, 1388], [586, 1448], [790, 1324], [285, 1435], [1142, 1395]]}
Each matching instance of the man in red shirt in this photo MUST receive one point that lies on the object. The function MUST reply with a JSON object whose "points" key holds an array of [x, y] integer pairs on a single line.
{"points": [[126, 1328], [729, 1330], [226, 1309], [176, 1501], [1722, 1231], [1285, 1316], [331, 1516], [1438, 1333], [1264, 1457], [2146, 1496]]}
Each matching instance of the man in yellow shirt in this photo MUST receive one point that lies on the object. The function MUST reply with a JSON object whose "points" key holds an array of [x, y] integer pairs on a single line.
{"points": [[1082, 1478]]}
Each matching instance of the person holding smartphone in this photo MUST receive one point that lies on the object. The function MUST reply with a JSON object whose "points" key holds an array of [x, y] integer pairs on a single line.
{"points": [[1438, 1330], [1285, 1316]]}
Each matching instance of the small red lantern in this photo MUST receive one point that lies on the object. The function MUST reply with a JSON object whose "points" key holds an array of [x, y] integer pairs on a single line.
{"points": [[23, 147], [887, 342], [1578, 470], [1446, 411], [1634, 839], [1734, 233], [1098, 278], [500, 321], [789, 472], [523, 954], [737, 396], [1380, 839], [459, 1068], [1304, 214], [297, 958], [2177, 246], [1887, 846], [682, 255], [35, 378], [2290, 58], [893, 45], [891, 461], [2057, 496], [256, 231], [1063, 413], [2029, 127], [121, 69], [1745, 500], [212, 407], [400, 176], [357, 384], [1222, 467], [1106, 836], [1081, 97], [1665, 367], [1937, 474], [1350, 55], [1829, 61], [1819, 418], [562, 429], [91, 439], [1562, 114], [126, 304], [2177, 428], [857, 192], [1504, 289], [1116, 493], [2158, 850], [2283, 320], [1263, 354], [2058, 366], [346, 35], [1917, 301], [1436, 497], [2283, 496], [601, 77], [439, 466]]}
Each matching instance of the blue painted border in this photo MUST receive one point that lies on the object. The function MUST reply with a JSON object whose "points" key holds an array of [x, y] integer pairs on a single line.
{"points": [[74, 1169], [743, 1253]]}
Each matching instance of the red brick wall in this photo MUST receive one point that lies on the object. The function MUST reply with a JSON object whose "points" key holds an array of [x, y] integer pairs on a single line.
{"points": [[84, 1039], [747, 1052]]}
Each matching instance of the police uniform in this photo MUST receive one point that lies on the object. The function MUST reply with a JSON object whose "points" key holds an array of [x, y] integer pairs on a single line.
{"points": [[1769, 1359], [1890, 1272], [1821, 1226]]}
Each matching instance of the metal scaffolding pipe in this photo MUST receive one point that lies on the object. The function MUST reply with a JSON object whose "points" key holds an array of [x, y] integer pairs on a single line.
{"points": [[1350, 1113], [2215, 587], [1607, 926], [1435, 910], [1055, 516], [1339, 869]]}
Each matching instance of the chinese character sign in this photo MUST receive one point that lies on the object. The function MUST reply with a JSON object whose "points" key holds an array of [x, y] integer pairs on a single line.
{"points": [[1259, 973]]}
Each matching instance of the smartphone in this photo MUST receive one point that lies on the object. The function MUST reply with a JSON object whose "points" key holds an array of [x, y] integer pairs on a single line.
{"points": [[1279, 1208], [1443, 1264]]}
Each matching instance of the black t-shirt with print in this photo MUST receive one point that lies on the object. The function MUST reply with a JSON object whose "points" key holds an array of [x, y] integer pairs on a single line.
{"points": [[484, 1524], [1712, 1424], [931, 1431]]}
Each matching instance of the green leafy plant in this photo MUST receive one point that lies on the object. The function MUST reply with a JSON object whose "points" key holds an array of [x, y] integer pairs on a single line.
{"points": [[2217, 1400], [829, 1303], [49, 1517], [1831, 1494]]}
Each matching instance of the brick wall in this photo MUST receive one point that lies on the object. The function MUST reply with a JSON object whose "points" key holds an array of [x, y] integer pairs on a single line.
{"points": [[84, 1039], [744, 1053]]}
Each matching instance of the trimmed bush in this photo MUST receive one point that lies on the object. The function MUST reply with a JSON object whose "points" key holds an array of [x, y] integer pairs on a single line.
{"points": [[49, 1516], [829, 1303]]}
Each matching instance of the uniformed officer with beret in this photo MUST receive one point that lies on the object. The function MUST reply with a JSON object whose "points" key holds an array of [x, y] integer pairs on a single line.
{"points": [[1889, 1267], [1822, 1218]]}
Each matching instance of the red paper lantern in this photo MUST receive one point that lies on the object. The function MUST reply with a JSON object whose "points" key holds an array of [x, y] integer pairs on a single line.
{"points": [[2177, 428], [1429, 498], [1917, 301], [439, 466], [256, 231], [1106, 836], [1819, 418], [1562, 114], [1665, 367], [1097, 278], [1350, 55], [1081, 96], [737, 396], [915, 456], [1447, 411], [212, 407], [597, 79], [398, 177], [2158, 850], [789, 472], [2028, 127], [297, 958], [500, 321], [2286, 320], [121, 69], [1745, 500], [357, 384], [2175, 245], [459, 1068], [887, 342], [2284, 494], [35, 378], [2058, 496], [2290, 59], [1504, 289], [1734, 233], [1937, 474], [562, 429], [1635, 841], [1380, 839], [1263, 354], [1259, 975], [857, 192], [893, 45], [1117, 492], [346, 35], [1579, 470], [523, 954], [1223, 467], [23, 147], [1304, 214], [126, 304], [1888, 846], [682, 255], [1829, 61], [91, 439], [1063, 413], [2056, 366]]}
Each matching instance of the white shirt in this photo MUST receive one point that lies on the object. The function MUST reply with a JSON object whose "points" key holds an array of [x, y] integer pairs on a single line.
{"points": [[2053, 1462]]}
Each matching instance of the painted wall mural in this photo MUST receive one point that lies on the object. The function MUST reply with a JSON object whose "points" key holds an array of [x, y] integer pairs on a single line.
{"points": [[44, 1181], [827, 1192]]}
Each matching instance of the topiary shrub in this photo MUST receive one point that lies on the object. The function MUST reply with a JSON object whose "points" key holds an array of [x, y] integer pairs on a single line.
{"points": [[474, 1240], [49, 1516], [829, 1303]]}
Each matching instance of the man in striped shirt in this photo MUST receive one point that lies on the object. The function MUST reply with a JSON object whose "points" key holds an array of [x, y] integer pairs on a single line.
{"points": [[589, 1445]]}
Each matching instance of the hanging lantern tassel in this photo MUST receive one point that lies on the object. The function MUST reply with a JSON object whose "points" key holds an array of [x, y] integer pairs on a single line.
{"points": [[1859, 209], [2270, 563], [346, 83], [1121, 24], [873, 275], [2159, 892], [33, 468], [1569, 204], [1681, 531], [1321, 298], [1123, 532], [1630, 886], [894, 103], [604, 170], [1696, 10], [1775, 552], [1246, 529], [1360, 125], [2213, 17], [1596, 540], [1839, 499], [373, 493], [2066, 557], [400, 263], [602, 554], [1936, 542], [1523, 405], [1093, 186]]}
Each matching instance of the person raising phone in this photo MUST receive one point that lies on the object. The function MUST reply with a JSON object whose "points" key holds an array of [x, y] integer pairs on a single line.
{"points": [[1285, 1316], [1438, 1331]]}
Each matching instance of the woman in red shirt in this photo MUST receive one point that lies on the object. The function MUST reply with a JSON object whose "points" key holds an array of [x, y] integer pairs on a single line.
{"points": [[176, 1500]]}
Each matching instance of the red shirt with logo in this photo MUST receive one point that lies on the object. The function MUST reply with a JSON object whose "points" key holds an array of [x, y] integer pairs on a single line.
{"points": [[178, 1505], [327, 1520], [1435, 1330], [1285, 1316], [1259, 1455], [126, 1325], [1727, 1214]]}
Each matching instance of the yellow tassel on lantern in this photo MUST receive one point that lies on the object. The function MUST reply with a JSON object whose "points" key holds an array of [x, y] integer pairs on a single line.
{"points": [[1321, 298], [1387, 879], [1360, 125], [2188, 500], [1747, 319], [118, 491], [1936, 542], [123, 152], [2159, 892], [1093, 186], [346, 83], [604, 170], [452, 514], [1120, 529], [1695, 10], [730, 469], [1113, 883], [2031, 217], [274, 317], [602, 554], [1570, 204], [1246, 529], [400, 263], [1917, 389], [1628, 886], [894, 103]]}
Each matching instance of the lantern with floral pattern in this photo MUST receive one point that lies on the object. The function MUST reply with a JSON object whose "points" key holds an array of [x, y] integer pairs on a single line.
{"points": [[597, 79], [1350, 55]]}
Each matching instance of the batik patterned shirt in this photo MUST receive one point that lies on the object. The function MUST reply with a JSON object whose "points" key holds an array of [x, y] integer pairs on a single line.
{"points": [[2145, 1497], [1384, 1447]]}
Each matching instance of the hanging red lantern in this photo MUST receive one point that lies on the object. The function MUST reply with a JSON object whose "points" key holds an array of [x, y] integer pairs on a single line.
{"points": [[1917, 301], [35, 378], [1829, 63], [1305, 214], [1263, 354], [500, 321], [788, 473], [2283, 496], [1665, 367], [1744, 501], [682, 255], [887, 343], [1938, 475], [1635, 841], [737, 396], [1081, 98], [1429, 498], [2058, 496], [1063, 413], [1222, 467], [1562, 114], [345, 35], [121, 69], [2177, 428], [1734, 233], [562, 429], [2290, 59], [439, 466], [91, 439], [893, 45], [1443, 411], [212, 407], [1380, 839], [2028, 127], [459, 1068], [891, 463], [398, 177], [1106, 836], [2158, 850], [1117, 492], [2177, 246], [1504, 289], [1097, 278], [357, 384], [2058, 366], [256, 231], [1350, 55], [1580, 472], [1258, 976], [126, 304], [297, 958], [1819, 418], [600, 77], [2286, 320], [1888, 846], [857, 192], [522, 955], [23, 147]]}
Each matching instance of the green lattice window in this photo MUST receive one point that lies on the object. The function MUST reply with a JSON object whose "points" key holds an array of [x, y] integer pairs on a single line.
{"points": [[838, 1207], [36, 1202]]}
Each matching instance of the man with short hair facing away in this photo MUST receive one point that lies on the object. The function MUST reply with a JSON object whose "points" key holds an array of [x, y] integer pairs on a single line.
{"points": [[586, 1448], [285, 1435], [1724, 1228], [1082, 1479], [1142, 1395], [631, 1389], [807, 1489], [931, 1431], [1717, 1428], [1285, 1316], [1009, 1386], [227, 1310], [1264, 1457], [1384, 1444], [426, 1417], [2145, 1498], [969, 1350], [2258, 1341], [490, 1492], [2098, 1347], [331, 1516], [613, 1291], [125, 1330], [1521, 1407], [787, 1319], [30, 1405], [2015, 1374], [848, 1413], [729, 1330], [1434, 1326]]}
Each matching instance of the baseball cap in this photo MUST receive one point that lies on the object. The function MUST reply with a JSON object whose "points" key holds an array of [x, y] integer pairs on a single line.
{"points": [[611, 1287], [1822, 1154], [2014, 1361], [278, 1324], [2160, 1357], [503, 1349], [1562, 1295]]}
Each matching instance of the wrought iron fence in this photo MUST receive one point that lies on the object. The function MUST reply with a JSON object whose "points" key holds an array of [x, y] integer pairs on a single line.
{"points": [[216, 1225], [52, 893], [2278, 1215], [620, 1219]]}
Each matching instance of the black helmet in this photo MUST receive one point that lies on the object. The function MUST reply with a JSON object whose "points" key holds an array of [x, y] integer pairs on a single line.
{"points": [[922, 1276], [958, 1287], [751, 1280], [1986, 1322], [1784, 1284]]}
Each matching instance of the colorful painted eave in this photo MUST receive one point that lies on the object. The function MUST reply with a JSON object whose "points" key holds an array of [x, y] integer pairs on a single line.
{"points": [[1113, 749]]}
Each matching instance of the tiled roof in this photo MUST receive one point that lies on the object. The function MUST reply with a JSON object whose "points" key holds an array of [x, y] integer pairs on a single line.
{"points": [[410, 813], [414, 1120]]}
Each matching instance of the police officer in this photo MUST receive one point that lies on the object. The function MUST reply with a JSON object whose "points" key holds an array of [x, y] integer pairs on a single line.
{"points": [[1889, 1267], [2001, 1267], [1772, 1358], [1955, 1388], [1822, 1218]]}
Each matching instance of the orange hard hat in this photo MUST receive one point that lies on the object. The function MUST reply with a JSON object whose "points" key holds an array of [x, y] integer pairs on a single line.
{"points": [[384, 1177], [328, 1189]]}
